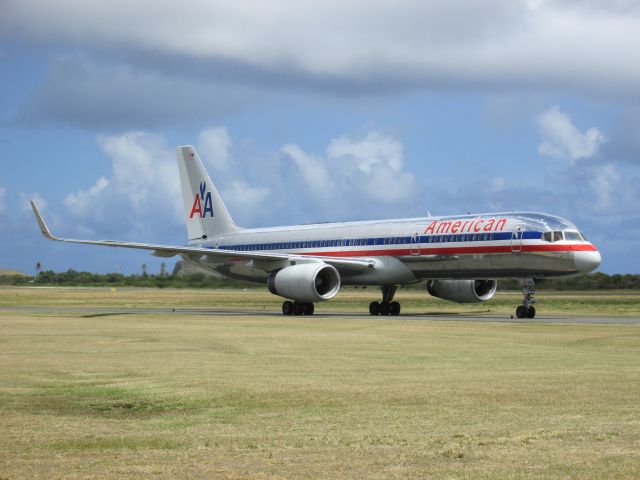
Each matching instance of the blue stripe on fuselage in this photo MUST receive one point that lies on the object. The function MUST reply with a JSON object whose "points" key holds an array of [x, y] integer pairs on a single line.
{"points": [[383, 241]]}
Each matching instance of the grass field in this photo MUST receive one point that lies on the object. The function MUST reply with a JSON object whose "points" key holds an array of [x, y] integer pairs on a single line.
{"points": [[176, 396], [584, 303]]}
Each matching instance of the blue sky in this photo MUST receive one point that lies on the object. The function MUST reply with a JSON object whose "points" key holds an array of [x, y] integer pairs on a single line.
{"points": [[315, 111]]}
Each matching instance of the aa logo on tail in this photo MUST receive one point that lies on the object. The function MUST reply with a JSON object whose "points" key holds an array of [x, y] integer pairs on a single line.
{"points": [[205, 197]]}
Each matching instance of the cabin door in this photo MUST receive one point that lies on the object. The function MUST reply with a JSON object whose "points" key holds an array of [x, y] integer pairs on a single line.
{"points": [[516, 239], [415, 244]]}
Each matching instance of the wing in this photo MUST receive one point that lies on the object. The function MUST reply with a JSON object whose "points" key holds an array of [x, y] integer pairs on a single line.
{"points": [[169, 251]]}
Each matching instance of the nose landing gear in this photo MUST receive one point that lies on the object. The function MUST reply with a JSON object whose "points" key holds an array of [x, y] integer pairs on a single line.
{"points": [[527, 310], [387, 306]]}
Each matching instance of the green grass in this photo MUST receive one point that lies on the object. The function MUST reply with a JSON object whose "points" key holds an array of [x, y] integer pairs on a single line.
{"points": [[178, 396]]}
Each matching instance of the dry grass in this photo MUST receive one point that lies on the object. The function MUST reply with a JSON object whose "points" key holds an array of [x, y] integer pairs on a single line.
{"points": [[4, 271], [616, 303], [177, 396]]}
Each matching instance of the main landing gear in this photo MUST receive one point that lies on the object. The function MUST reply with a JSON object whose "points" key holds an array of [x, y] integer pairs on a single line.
{"points": [[297, 308], [527, 310], [388, 306]]}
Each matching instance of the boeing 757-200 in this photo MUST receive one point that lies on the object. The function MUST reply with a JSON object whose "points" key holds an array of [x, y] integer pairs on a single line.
{"points": [[460, 257]]}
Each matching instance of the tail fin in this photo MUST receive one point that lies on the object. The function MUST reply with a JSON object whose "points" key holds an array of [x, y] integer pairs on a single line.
{"points": [[205, 212]]}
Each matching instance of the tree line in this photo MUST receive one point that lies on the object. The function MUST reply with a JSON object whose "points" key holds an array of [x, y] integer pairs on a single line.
{"points": [[594, 281], [73, 278]]}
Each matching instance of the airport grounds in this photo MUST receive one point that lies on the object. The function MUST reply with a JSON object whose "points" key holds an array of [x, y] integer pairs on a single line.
{"points": [[115, 382]]}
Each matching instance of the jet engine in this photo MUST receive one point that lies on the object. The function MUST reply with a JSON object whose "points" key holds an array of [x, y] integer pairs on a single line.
{"points": [[307, 282], [463, 291]]}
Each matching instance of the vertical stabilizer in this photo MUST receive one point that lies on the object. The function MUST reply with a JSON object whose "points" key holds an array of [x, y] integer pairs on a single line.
{"points": [[206, 215]]}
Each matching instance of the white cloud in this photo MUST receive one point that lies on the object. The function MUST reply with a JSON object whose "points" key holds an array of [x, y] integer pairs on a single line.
{"points": [[142, 192], [80, 89], [562, 139], [373, 165], [312, 170], [82, 203], [373, 149], [214, 145], [605, 183], [356, 171], [250, 203], [40, 202], [497, 185], [3, 194], [357, 44]]}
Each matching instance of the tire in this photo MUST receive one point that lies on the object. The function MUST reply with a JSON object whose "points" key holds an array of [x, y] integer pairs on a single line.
{"points": [[374, 308], [521, 311], [308, 308], [395, 308], [531, 312], [385, 308], [298, 308], [287, 308]]}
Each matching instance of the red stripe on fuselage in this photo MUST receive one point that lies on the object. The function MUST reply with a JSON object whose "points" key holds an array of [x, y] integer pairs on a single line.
{"points": [[401, 252]]}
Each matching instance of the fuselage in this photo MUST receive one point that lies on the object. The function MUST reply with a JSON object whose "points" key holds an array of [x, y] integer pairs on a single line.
{"points": [[494, 245]]}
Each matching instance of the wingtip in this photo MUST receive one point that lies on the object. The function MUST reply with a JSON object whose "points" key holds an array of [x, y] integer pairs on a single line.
{"points": [[43, 226]]}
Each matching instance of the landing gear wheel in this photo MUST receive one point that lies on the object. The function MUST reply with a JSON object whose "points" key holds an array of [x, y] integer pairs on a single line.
{"points": [[374, 308], [308, 308], [297, 308], [287, 308], [387, 306], [527, 310]]}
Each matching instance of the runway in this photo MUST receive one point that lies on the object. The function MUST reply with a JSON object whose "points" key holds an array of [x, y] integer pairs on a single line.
{"points": [[93, 312]]}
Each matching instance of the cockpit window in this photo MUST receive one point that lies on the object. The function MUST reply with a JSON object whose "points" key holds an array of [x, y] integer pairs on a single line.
{"points": [[575, 236], [556, 236], [583, 237]]}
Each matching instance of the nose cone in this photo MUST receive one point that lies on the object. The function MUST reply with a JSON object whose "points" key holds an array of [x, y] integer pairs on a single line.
{"points": [[586, 262]]}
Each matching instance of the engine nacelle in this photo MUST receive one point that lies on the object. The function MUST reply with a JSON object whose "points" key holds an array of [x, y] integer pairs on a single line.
{"points": [[307, 282], [463, 291]]}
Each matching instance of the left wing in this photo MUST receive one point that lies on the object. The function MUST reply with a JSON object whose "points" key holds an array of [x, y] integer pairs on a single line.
{"points": [[170, 251]]}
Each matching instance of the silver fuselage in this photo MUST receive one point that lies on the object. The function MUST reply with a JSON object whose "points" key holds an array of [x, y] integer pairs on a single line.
{"points": [[406, 251]]}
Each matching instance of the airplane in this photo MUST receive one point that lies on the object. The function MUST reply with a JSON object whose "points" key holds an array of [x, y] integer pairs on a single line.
{"points": [[460, 257]]}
